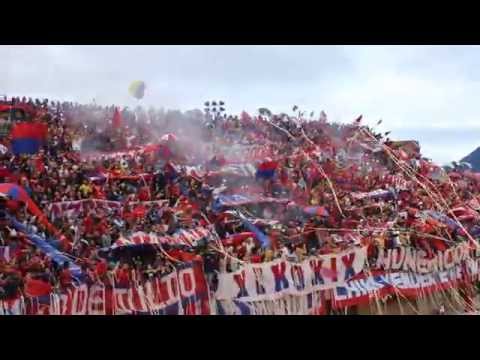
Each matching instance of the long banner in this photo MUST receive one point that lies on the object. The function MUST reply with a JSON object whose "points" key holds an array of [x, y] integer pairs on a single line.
{"points": [[362, 290], [273, 280], [182, 292]]}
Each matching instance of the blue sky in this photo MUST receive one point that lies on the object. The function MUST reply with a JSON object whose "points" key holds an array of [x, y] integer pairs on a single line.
{"points": [[429, 93]]}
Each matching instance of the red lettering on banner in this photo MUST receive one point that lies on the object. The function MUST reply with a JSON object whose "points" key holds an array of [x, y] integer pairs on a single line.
{"points": [[163, 294], [120, 297], [100, 300], [129, 305], [174, 286], [155, 291], [66, 307], [139, 299], [186, 284], [96, 301], [190, 308], [80, 301]]}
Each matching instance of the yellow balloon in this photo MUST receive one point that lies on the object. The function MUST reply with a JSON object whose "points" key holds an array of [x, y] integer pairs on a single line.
{"points": [[137, 89]]}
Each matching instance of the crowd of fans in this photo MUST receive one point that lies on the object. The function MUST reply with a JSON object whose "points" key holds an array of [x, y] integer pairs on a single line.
{"points": [[317, 165]]}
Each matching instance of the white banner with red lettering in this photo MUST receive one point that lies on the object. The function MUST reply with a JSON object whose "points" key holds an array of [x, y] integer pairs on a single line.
{"points": [[182, 292], [272, 280]]}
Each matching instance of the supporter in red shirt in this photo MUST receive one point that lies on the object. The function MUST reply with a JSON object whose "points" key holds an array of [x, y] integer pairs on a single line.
{"points": [[174, 190], [101, 226], [98, 192], [144, 194], [139, 212], [39, 164], [101, 268], [256, 258], [88, 224]]}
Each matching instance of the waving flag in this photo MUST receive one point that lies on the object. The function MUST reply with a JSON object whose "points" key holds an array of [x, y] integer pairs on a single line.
{"points": [[452, 224], [18, 193], [45, 247], [237, 239], [117, 119], [264, 239], [266, 170], [27, 138]]}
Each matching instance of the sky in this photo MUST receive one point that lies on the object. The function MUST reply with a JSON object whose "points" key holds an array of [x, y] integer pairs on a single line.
{"points": [[427, 93]]}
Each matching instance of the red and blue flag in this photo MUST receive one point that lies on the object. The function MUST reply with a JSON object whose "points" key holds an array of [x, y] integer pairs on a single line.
{"points": [[27, 138], [266, 170]]}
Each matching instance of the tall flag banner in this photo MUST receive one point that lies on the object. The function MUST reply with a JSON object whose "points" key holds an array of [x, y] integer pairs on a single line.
{"points": [[117, 119]]}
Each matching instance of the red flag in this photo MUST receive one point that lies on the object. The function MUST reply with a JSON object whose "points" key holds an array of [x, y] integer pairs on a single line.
{"points": [[35, 288], [245, 118], [117, 119]]}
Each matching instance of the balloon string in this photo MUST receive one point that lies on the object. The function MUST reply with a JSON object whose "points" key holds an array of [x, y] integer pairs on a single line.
{"points": [[400, 230], [324, 174], [413, 177]]}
